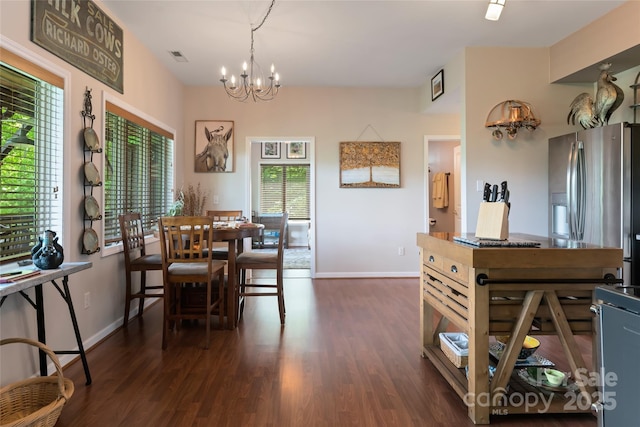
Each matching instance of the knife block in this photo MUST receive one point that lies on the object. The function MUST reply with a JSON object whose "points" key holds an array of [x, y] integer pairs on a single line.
{"points": [[493, 221]]}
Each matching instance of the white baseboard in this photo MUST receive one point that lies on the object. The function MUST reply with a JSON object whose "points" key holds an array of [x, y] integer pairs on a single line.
{"points": [[365, 274]]}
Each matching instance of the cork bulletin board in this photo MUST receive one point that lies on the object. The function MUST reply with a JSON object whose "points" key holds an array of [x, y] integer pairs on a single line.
{"points": [[366, 164]]}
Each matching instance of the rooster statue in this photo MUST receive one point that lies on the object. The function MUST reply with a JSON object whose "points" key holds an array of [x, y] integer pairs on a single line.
{"points": [[589, 113]]}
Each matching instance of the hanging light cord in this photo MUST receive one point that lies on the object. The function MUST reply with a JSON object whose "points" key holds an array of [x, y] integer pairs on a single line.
{"points": [[258, 27], [265, 17]]}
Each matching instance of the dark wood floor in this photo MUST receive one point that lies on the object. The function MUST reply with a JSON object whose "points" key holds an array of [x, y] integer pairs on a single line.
{"points": [[348, 356]]}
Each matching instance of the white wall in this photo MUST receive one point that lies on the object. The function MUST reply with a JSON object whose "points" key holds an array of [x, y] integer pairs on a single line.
{"points": [[358, 231], [148, 87]]}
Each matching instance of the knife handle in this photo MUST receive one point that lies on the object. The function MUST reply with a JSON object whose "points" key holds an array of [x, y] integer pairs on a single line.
{"points": [[487, 192], [494, 193], [505, 196], [503, 191]]}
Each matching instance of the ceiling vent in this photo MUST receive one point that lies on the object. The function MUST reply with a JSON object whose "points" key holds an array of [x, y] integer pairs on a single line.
{"points": [[178, 56]]}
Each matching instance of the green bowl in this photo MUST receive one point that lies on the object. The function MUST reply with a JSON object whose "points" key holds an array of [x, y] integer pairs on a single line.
{"points": [[554, 377]]}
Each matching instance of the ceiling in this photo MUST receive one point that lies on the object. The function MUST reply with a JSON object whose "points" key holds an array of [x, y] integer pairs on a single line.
{"points": [[390, 43]]}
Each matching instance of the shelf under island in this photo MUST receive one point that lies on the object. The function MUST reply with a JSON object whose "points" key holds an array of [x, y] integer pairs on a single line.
{"points": [[545, 289]]}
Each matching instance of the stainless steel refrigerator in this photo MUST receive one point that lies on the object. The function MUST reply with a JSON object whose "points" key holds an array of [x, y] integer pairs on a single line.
{"points": [[594, 191]]}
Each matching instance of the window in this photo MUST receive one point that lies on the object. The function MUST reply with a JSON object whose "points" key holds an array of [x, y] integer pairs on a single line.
{"points": [[285, 188], [31, 145], [138, 171]]}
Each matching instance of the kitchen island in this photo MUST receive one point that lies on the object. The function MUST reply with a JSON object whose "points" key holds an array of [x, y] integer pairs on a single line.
{"points": [[516, 291]]}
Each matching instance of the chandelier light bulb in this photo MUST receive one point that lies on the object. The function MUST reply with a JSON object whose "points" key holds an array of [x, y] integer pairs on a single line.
{"points": [[273, 69], [244, 66], [224, 72]]}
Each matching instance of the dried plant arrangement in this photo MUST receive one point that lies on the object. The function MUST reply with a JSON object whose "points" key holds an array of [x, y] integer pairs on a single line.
{"points": [[193, 201]]}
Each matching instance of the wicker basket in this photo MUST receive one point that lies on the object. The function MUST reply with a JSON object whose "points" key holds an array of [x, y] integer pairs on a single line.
{"points": [[451, 346], [36, 401]]}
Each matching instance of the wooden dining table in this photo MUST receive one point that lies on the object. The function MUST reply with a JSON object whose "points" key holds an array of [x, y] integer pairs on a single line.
{"points": [[234, 236]]}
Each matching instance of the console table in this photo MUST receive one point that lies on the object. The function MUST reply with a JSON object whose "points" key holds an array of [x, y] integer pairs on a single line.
{"points": [[545, 290], [36, 282]]}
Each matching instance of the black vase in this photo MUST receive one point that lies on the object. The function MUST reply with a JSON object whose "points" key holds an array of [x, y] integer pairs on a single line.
{"points": [[48, 253]]}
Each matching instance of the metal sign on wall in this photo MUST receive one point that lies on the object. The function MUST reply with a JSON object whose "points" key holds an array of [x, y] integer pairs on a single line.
{"points": [[79, 32]]}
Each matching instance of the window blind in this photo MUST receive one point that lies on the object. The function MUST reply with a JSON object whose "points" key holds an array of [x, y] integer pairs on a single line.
{"points": [[31, 146], [138, 171], [285, 188]]}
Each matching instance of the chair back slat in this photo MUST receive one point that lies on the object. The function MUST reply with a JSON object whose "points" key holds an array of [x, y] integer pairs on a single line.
{"points": [[132, 234], [185, 237], [225, 216]]}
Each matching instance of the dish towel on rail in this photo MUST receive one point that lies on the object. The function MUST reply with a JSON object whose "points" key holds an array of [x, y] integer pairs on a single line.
{"points": [[440, 192]]}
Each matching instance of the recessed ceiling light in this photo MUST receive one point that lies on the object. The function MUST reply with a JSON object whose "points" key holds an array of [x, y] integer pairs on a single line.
{"points": [[494, 10]]}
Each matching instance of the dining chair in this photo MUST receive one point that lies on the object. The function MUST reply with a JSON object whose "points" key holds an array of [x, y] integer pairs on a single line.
{"points": [[262, 261], [182, 239], [225, 216], [137, 259], [221, 250]]}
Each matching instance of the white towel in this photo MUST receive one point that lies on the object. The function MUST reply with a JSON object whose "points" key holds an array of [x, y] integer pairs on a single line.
{"points": [[440, 191]]}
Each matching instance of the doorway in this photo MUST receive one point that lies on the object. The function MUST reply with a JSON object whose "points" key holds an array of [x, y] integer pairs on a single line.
{"points": [[286, 152], [442, 161]]}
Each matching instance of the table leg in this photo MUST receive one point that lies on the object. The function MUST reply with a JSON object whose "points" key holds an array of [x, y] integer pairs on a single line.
{"points": [[42, 336], [66, 295]]}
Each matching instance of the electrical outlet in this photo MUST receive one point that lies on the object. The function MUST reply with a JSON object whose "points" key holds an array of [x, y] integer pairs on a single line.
{"points": [[401, 251], [87, 300]]}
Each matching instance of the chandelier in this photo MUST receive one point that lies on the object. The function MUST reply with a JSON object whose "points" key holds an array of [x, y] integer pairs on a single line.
{"points": [[252, 85]]}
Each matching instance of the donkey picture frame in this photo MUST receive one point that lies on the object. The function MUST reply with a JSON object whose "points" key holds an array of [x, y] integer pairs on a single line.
{"points": [[214, 148]]}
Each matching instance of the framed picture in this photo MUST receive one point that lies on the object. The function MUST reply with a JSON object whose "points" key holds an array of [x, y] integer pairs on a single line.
{"points": [[437, 85], [296, 150], [214, 146], [270, 150], [369, 164]]}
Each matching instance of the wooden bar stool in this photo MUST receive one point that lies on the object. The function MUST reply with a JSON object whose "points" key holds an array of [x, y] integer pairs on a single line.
{"points": [[263, 261], [137, 259]]}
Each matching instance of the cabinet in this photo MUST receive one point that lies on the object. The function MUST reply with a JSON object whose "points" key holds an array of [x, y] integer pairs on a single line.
{"points": [[270, 234], [546, 290]]}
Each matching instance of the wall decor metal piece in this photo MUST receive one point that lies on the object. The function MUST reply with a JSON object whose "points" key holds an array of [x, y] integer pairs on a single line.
{"points": [[80, 33], [510, 116], [369, 164], [214, 146], [90, 241], [593, 111]]}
